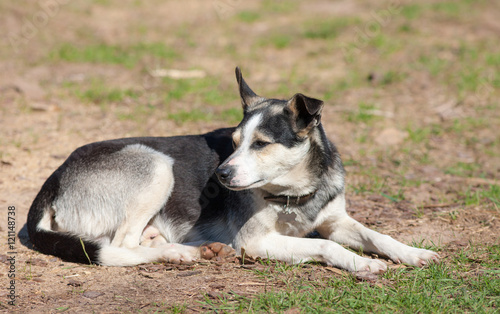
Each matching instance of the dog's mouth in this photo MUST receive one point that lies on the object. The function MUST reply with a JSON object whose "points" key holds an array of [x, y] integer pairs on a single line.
{"points": [[245, 187]]}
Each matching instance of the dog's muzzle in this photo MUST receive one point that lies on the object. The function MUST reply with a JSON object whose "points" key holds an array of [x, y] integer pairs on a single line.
{"points": [[224, 173]]}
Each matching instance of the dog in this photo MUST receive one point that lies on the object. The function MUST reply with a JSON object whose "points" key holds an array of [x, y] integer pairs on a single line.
{"points": [[261, 186]]}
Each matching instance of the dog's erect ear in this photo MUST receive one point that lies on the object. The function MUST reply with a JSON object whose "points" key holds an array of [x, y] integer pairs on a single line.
{"points": [[248, 97], [306, 113]]}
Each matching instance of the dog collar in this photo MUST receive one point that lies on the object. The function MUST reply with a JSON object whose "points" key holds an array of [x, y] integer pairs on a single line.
{"points": [[287, 200]]}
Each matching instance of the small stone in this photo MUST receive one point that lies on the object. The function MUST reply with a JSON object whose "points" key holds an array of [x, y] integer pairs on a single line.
{"points": [[92, 294]]}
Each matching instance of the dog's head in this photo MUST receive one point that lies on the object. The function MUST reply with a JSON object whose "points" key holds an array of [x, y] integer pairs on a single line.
{"points": [[272, 143]]}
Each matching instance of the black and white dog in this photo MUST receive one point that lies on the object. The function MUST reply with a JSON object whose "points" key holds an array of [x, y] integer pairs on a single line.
{"points": [[261, 186]]}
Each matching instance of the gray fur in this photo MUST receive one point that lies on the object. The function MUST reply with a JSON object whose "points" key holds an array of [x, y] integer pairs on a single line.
{"points": [[93, 195]]}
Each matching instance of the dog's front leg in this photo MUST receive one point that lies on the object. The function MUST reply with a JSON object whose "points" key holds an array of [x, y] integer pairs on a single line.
{"points": [[296, 250], [337, 226]]}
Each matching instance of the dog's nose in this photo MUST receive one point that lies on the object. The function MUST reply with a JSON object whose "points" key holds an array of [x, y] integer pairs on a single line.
{"points": [[223, 173]]}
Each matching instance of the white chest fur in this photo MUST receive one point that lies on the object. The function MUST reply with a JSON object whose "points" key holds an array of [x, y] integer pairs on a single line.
{"points": [[290, 221]]}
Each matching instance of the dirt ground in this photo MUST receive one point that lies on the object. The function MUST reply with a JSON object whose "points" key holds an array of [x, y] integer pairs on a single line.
{"points": [[415, 158]]}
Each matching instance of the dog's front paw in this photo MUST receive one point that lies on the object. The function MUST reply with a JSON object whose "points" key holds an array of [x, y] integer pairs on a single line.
{"points": [[373, 266], [418, 257], [217, 250]]}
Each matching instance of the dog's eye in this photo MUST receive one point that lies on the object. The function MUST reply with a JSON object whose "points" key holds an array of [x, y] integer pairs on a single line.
{"points": [[260, 144]]}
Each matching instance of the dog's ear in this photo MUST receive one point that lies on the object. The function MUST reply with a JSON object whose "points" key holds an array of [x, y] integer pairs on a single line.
{"points": [[306, 113], [248, 97]]}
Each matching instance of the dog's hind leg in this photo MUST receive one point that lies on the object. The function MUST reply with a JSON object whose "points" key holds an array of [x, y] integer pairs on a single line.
{"points": [[151, 237], [337, 226], [148, 200]]}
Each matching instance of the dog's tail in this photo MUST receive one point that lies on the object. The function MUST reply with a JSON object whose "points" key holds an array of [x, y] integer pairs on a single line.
{"points": [[67, 246]]}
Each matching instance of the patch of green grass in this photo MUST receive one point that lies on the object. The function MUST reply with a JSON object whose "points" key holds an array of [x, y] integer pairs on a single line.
{"points": [[279, 272], [458, 127], [216, 96], [405, 28], [184, 33], [127, 56], [468, 53], [274, 6], [278, 40], [193, 115], [62, 308], [466, 282], [395, 197], [452, 8], [139, 113], [282, 91], [99, 93], [327, 29], [371, 183], [231, 116], [248, 16], [463, 169], [461, 127], [386, 45], [434, 64], [443, 8], [493, 253], [478, 196], [102, 2], [411, 11], [428, 245], [469, 80], [351, 162], [468, 68], [362, 136], [418, 135], [472, 198], [493, 59], [391, 77], [178, 308], [281, 41], [178, 89], [351, 80], [203, 91], [364, 113], [393, 187]]}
